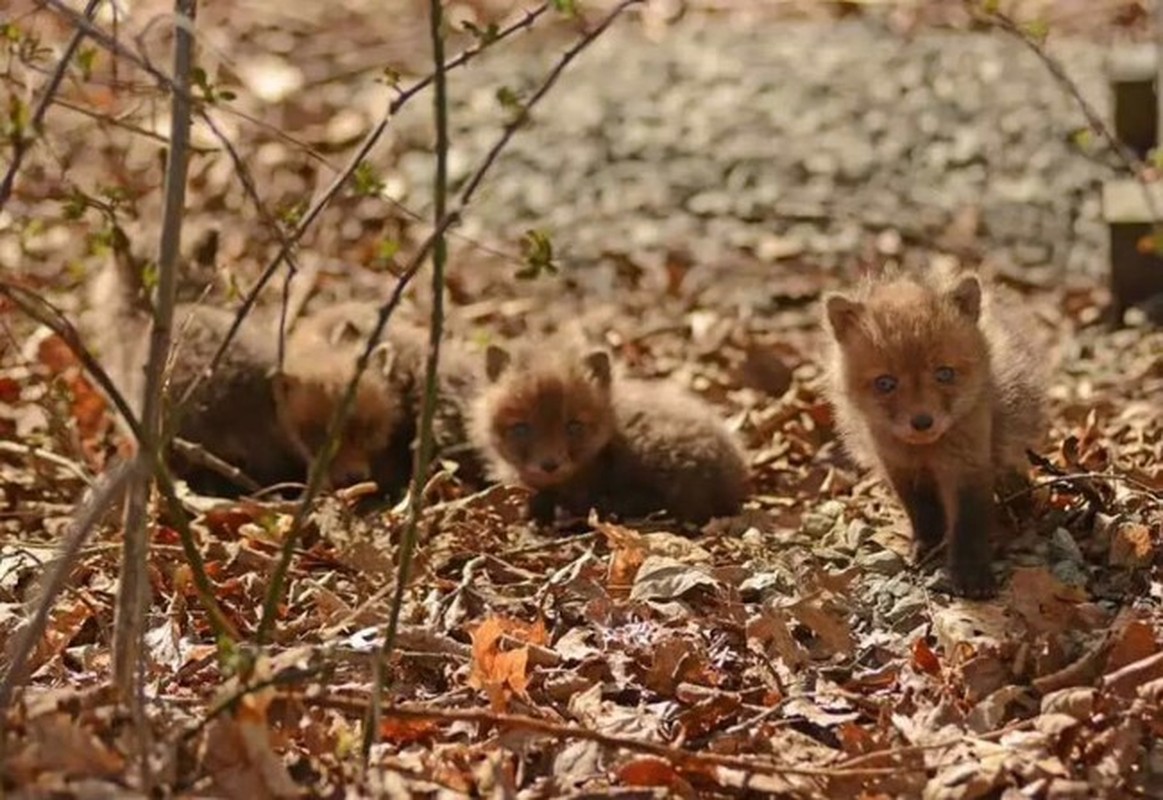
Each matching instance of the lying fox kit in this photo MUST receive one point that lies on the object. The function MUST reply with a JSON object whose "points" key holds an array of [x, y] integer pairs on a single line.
{"points": [[557, 422], [929, 386], [309, 390], [403, 350]]}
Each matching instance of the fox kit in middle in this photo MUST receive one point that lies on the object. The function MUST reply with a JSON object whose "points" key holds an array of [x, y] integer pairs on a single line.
{"points": [[930, 385], [557, 421]]}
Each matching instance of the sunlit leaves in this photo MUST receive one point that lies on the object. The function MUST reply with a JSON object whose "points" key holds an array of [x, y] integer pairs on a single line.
{"points": [[367, 183], [537, 251]]}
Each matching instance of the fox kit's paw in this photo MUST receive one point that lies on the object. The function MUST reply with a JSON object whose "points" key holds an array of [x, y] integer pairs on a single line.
{"points": [[972, 578], [543, 508]]}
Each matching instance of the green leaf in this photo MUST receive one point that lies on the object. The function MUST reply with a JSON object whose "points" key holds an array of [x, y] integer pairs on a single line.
{"points": [[149, 275], [511, 102], [990, 6], [1083, 138], [1037, 29], [567, 7], [367, 183], [86, 58], [486, 35], [385, 251], [537, 250], [75, 204], [389, 77]]}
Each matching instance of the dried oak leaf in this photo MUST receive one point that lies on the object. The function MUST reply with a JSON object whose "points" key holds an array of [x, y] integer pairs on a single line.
{"points": [[1045, 603], [1131, 546], [925, 659], [832, 629], [1134, 640], [650, 771], [502, 673], [55, 743], [239, 757]]}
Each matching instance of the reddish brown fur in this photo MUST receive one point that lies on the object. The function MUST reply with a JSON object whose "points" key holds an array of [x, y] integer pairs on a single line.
{"points": [[403, 349], [983, 417], [307, 394], [558, 422]]}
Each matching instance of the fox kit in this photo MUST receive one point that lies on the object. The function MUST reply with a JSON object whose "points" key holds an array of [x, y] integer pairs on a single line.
{"points": [[929, 386], [243, 414], [307, 392], [557, 422], [404, 348]]}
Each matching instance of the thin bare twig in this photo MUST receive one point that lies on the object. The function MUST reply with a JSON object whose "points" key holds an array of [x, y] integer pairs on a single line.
{"points": [[319, 464], [1131, 162], [132, 595], [23, 142], [86, 517], [366, 146], [674, 755], [427, 412], [47, 314]]}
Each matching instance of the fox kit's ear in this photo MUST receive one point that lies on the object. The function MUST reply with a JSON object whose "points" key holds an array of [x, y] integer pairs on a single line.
{"points": [[842, 313], [496, 361], [598, 364], [966, 296]]}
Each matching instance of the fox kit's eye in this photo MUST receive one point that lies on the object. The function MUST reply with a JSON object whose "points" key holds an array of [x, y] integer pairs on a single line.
{"points": [[520, 430], [574, 428], [944, 374], [884, 384]]}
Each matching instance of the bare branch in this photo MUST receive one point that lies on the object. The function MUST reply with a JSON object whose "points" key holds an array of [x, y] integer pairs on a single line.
{"points": [[427, 412], [323, 200], [132, 599], [24, 142], [107, 492]]}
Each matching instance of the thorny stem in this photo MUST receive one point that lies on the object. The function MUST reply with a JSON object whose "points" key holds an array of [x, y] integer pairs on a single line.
{"points": [[132, 595], [319, 465], [436, 329], [23, 142]]}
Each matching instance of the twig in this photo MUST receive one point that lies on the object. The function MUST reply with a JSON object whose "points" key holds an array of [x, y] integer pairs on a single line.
{"points": [[132, 595], [369, 142], [22, 142], [1131, 162], [319, 464], [427, 412], [47, 314], [674, 755], [48, 457], [197, 454], [88, 514]]}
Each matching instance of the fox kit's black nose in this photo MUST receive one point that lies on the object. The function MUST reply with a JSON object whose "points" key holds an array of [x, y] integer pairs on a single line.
{"points": [[922, 422], [549, 465]]}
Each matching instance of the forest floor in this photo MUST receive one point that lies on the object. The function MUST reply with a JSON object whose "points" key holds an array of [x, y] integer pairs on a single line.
{"points": [[703, 183]]}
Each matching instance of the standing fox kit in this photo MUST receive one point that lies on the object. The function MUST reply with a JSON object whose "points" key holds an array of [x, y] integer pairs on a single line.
{"points": [[560, 424], [931, 388]]}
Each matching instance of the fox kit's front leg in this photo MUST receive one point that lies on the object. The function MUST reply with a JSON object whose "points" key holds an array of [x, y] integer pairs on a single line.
{"points": [[970, 501], [918, 493]]}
